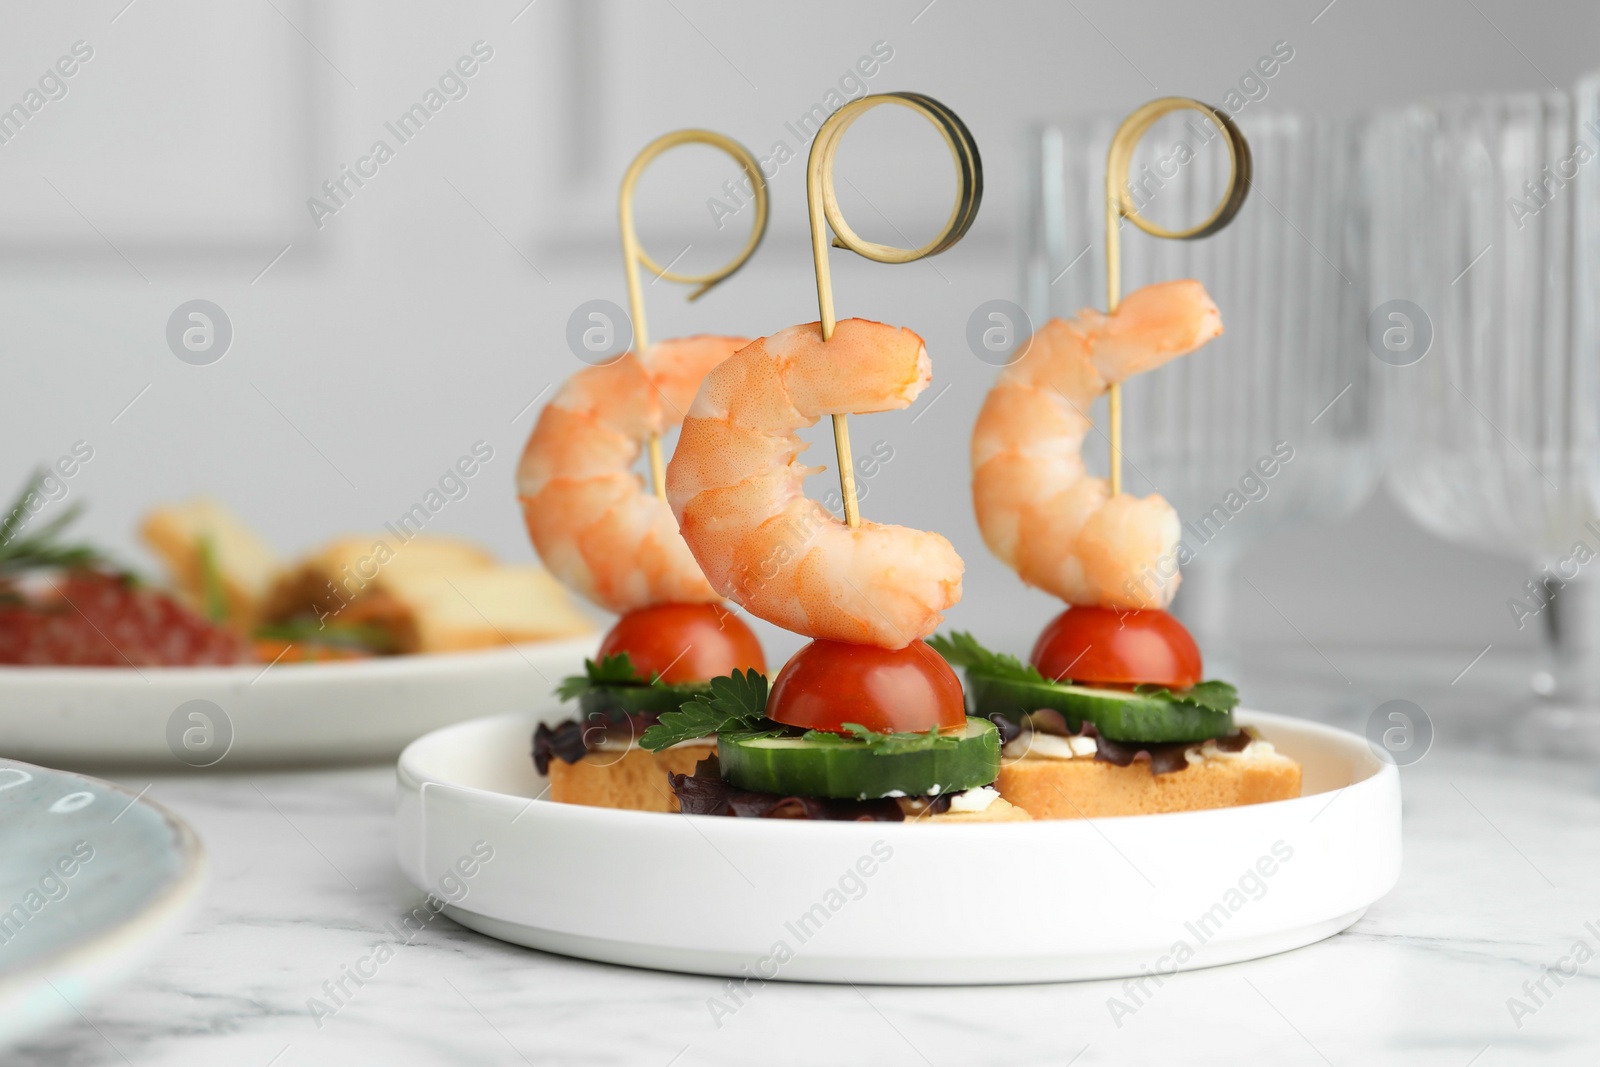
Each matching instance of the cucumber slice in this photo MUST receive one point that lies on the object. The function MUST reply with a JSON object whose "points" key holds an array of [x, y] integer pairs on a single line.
{"points": [[988, 696], [1152, 719], [847, 769], [1118, 714], [618, 700]]}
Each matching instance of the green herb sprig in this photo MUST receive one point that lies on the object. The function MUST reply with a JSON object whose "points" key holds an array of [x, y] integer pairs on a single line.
{"points": [[308, 630], [735, 702], [608, 672], [885, 744], [214, 594], [1211, 695], [962, 650], [23, 549]]}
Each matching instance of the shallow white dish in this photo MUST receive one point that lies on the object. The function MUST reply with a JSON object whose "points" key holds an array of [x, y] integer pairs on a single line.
{"points": [[903, 903], [91, 880], [289, 713]]}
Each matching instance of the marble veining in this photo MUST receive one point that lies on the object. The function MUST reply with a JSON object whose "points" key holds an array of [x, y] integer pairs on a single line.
{"points": [[1499, 882]]}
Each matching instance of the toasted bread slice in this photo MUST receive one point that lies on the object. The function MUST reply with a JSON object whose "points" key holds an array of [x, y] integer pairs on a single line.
{"points": [[1087, 788], [635, 779], [999, 810], [244, 565]]}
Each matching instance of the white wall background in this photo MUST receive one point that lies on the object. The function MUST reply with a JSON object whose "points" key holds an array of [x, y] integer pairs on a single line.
{"points": [[370, 352]]}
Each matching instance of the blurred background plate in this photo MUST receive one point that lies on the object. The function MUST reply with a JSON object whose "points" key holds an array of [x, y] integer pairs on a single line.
{"points": [[92, 878], [298, 714]]}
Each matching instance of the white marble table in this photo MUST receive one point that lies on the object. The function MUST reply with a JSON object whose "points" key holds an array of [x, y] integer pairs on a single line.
{"points": [[1502, 872]]}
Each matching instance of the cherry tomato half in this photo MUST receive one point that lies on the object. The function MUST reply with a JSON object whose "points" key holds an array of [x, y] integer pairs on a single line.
{"points": [[685, 642], [830, 683], [1112, 647]]}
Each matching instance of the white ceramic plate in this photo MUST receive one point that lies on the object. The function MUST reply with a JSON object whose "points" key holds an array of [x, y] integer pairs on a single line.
{"points": [[893, 902], [91, 880], [290, 713]]}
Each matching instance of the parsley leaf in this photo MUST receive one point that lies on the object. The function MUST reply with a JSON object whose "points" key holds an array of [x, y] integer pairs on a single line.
{"points": [[735, 702], [896, 744], [742, 695], [1211, 696], [694, 719], [891, 744], [962, 650], [825, 738], [610, 671]]}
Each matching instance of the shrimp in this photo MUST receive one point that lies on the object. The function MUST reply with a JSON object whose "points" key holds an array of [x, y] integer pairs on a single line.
{"points": [[589, 516], [738, 491], [1038, 510]]}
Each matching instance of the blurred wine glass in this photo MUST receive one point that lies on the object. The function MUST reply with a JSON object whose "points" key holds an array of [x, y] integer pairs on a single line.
{"points": [[1286, 389], [1485, 225]]}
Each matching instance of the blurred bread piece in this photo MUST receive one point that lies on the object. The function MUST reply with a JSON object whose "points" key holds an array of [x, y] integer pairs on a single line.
{"points": [[421, 553], [245, 565], [430, 594], [331, 579], [442, 610]]}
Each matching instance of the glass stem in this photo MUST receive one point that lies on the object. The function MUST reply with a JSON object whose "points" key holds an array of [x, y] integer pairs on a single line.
{"points": [[1572, 641]]}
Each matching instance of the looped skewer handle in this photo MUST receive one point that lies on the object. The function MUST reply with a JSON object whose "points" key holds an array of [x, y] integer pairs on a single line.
{"points": [[634, 256], [823, 204], [1120, 205]]}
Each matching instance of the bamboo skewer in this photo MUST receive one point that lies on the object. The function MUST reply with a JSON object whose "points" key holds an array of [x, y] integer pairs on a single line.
{"points": [[634, 256], [824, 209], [1120, 205]]}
